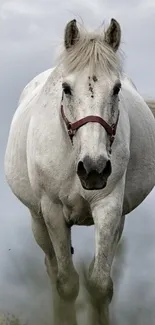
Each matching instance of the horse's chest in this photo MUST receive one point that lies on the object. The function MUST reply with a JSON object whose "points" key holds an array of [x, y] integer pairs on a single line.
{"points": [[76, 210]]}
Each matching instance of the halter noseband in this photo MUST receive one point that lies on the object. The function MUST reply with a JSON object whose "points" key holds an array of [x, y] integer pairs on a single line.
{"points": [[73, 127]]}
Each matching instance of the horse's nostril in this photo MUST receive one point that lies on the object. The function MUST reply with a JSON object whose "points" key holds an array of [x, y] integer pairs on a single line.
{"points": [[107, 170], [81, 171]]}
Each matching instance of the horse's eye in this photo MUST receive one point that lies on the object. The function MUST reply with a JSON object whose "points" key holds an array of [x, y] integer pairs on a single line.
{"points": [[66, 88], [116, 88]]}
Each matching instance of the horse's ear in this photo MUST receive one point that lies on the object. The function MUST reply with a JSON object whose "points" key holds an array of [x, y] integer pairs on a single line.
{"points": [[113, 35], [71, 34]]}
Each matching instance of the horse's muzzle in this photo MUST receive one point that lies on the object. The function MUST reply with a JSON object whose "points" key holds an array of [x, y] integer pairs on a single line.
{"points": [[94, 174]]}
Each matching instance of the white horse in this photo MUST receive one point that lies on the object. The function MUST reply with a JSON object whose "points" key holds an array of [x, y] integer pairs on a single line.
{"points": [[81, 151]]}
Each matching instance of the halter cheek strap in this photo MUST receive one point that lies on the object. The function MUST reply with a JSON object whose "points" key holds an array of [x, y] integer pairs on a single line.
{"points": [[73, 127]]}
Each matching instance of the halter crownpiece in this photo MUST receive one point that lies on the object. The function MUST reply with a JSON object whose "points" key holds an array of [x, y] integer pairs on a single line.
{"points": [[73, 127]]}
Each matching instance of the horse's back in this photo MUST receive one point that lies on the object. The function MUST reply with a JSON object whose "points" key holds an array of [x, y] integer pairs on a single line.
{"points": [[30, 92], [16, 169], [34, 83]]}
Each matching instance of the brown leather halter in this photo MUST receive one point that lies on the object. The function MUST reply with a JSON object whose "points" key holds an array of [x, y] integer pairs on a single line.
{"points": [[73, 127]]}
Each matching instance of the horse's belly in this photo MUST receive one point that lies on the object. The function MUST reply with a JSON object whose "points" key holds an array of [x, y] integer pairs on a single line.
{"points": [[16, 170], [140, 180]]}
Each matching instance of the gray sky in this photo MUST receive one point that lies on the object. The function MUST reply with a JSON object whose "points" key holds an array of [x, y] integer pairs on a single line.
{"points": [[31, 33]]}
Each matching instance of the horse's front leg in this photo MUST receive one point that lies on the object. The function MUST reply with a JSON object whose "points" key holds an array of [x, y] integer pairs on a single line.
{"points": [[67, 280], [107, 215]]}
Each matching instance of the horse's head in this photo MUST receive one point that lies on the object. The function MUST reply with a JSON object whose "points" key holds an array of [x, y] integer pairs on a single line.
{"points": [[90, 88]]}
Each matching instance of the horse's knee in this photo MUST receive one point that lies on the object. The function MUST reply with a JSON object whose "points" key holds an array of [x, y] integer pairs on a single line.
{"points": [[101, 286], [68, 286]]}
